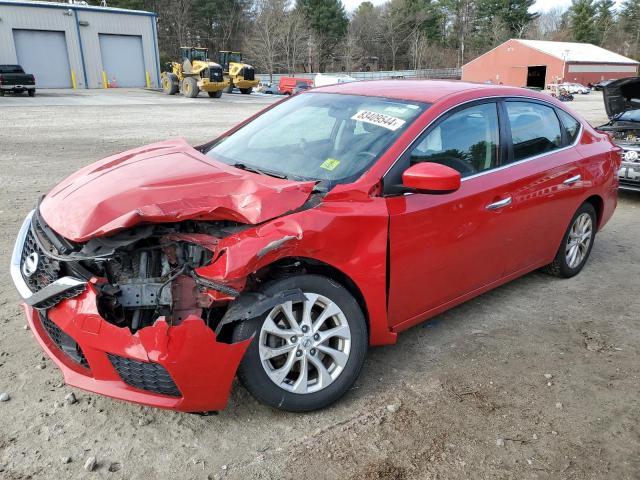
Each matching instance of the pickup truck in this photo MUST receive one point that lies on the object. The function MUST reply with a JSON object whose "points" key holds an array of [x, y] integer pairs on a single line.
{"points": [[13, 79]]}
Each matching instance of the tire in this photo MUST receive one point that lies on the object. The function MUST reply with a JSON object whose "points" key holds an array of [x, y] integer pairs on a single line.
{"points": [[170, 84], [1, 93], [190, 87], [246, 91], [217, 94], [32, 93], [282, 395], [561, 266]]}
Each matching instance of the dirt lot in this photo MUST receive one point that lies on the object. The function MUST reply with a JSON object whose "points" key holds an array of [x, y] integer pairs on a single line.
{"points": [[464, 396]]}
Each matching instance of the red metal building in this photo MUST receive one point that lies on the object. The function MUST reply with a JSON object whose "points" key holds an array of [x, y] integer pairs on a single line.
{"points": [[537, 63]]}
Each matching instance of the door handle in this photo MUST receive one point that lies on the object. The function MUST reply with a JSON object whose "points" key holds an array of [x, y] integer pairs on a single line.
{"points": [[572, 180], [499, 204]]}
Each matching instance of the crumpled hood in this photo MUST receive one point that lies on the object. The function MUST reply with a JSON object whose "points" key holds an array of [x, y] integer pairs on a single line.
{"points": [[164, 182], [621, 95]]}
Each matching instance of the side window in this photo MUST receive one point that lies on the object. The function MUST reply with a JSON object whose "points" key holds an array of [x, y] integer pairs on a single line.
{"points": [[571, 125], [535, 129], [467, 141]]}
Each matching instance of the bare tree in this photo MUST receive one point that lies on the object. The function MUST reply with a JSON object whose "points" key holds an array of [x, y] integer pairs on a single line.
{"points": [[179, 13], [352, 52], [547, 25], [396, 29], [294, 39], [265, 45]]}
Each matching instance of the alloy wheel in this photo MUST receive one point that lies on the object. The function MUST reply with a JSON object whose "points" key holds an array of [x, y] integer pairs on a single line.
{"points": [[304, 346], [579, 240]]}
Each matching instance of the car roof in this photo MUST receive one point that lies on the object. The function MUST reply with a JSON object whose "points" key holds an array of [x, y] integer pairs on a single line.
{"points": [[428, 91]]}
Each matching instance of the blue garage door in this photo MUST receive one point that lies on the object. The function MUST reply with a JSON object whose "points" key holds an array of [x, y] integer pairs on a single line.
{"points": [[123, 60], [44, 53]]}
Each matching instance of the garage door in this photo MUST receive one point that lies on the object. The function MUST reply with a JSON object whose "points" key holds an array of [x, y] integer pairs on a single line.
{"points": [[44, 53], [122, 59]]}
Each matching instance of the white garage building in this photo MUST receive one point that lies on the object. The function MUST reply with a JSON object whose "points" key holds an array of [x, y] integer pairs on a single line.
{"points": [[79, 46]]}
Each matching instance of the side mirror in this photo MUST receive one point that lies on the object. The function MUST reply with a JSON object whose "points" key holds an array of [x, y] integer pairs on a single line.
{"points": [[431, 177]]}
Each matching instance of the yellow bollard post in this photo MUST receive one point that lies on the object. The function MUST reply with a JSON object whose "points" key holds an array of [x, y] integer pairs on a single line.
{"points": [[105, 82], [148, 79], [74, 83]]}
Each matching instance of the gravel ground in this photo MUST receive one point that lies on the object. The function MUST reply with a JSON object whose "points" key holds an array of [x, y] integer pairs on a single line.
{"points": [[537, 379]]}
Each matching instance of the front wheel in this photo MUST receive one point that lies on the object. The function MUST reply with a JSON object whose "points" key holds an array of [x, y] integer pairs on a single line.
{"points": [[576, 244], [190, 87], [170, 84], [307, 354], [246, 91]]}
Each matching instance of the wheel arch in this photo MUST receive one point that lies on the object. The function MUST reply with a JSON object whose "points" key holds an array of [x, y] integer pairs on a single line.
{"points": [[597, 203], [293, 265]]}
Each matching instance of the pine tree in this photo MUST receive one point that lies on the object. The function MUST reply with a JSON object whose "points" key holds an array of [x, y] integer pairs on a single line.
{"points": [[603, 19], [582, 21], [326, 17], [516, 15], [630, 20]]}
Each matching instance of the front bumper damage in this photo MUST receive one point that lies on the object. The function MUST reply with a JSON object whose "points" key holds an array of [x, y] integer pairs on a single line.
{"points": [[181, 367]]}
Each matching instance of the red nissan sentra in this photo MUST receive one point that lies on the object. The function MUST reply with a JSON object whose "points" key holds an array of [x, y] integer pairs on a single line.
{"points": [[284, 248]]}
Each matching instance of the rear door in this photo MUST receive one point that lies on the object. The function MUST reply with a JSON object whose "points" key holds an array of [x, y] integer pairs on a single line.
{"points": [[442, 247], [544, 175]]}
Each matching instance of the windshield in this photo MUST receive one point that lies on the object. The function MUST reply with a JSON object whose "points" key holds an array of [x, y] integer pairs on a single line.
{"points": [[11, 69], [629, 116], [235, 57], [319, 136], [199, 55]]}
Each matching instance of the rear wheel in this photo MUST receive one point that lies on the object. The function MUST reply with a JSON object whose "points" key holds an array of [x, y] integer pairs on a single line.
{"points": [[246, 91], [216, 94], [576, 244], [190, 87], [305, 355], [32, 92], [1, 93], [170, 84]]}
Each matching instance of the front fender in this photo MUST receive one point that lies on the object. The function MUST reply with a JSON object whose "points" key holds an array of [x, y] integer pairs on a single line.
{"points": [[346, 235]]}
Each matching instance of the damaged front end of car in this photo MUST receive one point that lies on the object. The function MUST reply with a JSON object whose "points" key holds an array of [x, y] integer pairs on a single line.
{"points": [[126, 283], [128, 315]]}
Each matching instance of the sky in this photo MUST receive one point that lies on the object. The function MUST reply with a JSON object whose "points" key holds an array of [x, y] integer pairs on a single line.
{"points": [[540, 5]]}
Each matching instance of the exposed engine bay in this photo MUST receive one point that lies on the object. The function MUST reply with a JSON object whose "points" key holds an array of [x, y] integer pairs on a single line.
{"points": [[144, 272], [622, 134]]}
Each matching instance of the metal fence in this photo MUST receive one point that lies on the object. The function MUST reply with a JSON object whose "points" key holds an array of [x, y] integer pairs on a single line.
{"points": [[446, 73]]}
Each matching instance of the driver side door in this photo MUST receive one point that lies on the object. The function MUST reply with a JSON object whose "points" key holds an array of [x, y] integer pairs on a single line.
{"points": [[445, 246]]}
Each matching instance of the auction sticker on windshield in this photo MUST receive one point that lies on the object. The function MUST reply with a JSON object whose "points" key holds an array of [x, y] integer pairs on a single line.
{"points": [[379, 119]]}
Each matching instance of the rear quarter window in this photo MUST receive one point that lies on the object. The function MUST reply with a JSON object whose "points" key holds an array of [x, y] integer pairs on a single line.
{"points": [[571, 126]]}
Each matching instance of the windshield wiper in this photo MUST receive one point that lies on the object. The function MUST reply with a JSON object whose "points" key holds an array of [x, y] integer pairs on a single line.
{"points": [[249, 168]]}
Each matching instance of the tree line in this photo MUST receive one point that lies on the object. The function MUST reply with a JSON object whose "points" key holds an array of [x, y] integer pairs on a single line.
{"points": [[319, 35]]}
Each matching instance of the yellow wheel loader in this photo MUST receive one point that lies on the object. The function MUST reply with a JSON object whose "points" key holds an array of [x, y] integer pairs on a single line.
{"points": [[238, 74], [194, 74]]}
